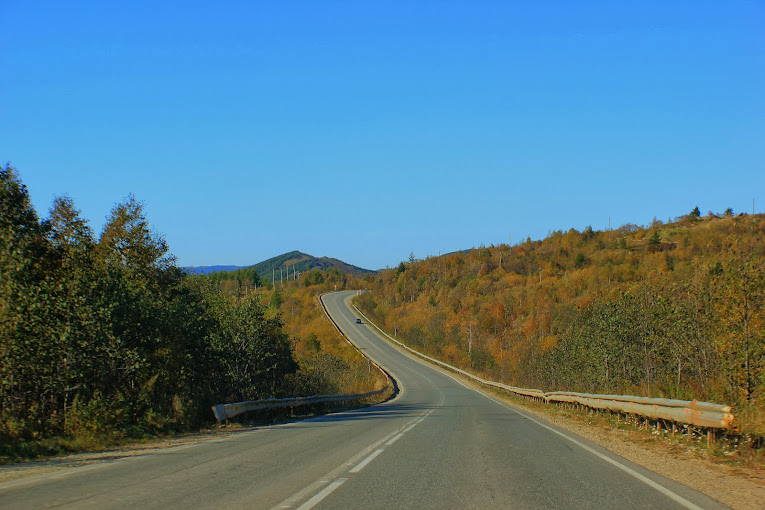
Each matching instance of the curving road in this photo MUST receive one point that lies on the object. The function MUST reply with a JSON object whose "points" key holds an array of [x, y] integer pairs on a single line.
{"points": [[438, 444]]}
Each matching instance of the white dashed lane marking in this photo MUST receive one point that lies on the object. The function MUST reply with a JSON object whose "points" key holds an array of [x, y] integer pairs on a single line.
{"points": [[323, 494], [366, 461]]}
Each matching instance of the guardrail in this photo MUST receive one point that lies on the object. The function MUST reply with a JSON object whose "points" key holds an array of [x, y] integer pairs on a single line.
{"points": [[223, 412], [690, 412]]}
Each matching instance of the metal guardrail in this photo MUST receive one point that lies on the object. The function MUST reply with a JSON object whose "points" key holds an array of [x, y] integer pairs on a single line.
{"points": [[225, 411], [691, 412]]}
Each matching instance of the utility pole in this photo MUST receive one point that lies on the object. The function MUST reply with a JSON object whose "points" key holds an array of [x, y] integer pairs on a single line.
{"points": [[273, 278], [281, 277]]}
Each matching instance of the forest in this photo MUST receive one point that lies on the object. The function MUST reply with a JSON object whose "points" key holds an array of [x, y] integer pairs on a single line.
{"points": [[666, 310], [105, 335]]}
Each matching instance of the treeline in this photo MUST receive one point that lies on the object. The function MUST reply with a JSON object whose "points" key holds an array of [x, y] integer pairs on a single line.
{"points": [[247, 279], [106, 335], [237, 282], [673, 310]]}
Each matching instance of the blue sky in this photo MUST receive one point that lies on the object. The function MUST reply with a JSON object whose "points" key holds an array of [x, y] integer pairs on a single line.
{"points": [[369, 130]]}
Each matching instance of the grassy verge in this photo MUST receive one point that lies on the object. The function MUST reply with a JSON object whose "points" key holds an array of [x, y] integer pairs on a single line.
{"points": [[56, 446]]}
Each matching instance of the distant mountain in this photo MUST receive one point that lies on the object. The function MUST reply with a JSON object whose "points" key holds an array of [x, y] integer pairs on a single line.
{"points": [[295, 260], [211, 269], [302, 262]]}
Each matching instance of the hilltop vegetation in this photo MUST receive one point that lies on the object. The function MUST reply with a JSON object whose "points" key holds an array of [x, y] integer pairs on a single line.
{"points": [[671, 310], [296, 261], [288, 268]]}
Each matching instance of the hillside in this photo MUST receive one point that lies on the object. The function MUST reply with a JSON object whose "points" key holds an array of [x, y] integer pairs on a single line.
{"points": [[674, 310], [302, 262]]}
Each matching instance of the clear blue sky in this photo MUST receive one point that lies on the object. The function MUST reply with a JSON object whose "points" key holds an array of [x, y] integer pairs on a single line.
{"points": [[369, 130]]}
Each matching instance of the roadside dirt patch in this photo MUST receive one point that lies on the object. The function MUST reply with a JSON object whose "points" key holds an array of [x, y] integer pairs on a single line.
{"points": [[11, 472]]}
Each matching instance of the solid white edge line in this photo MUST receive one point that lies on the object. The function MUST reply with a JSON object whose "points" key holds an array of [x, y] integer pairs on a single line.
{"points": [[655, 485], [323, 494], [366, 461]]}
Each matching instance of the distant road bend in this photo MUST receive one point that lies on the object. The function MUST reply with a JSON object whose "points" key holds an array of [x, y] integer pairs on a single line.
{"points": [[438, 444]]}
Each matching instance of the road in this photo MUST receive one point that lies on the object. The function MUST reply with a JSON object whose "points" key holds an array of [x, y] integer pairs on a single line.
{"points": [[437, 444]]}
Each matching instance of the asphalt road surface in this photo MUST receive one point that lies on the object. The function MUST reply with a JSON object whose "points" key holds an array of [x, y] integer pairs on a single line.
{"points": [[437, 444]]}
